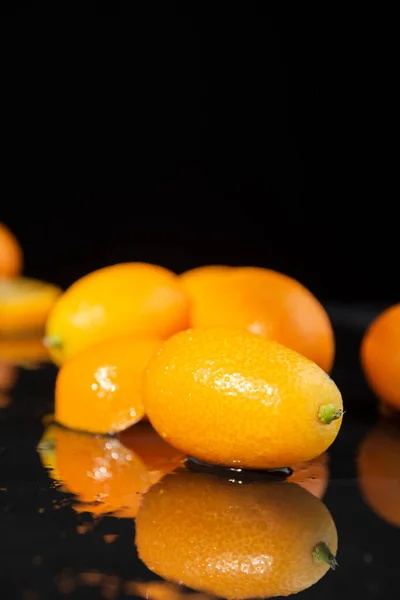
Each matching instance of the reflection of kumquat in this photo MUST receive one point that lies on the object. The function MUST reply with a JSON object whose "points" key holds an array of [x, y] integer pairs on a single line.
{"points": [[24, 305], [235, 540], [104, 476], [136, 299], [380, 356], [5, 399], [379, 470], [163, 590], [8, 376], [233, 398], [10, 253], [313, 475], [264, 302], [47, 449], [159, 457], [99, 390]]}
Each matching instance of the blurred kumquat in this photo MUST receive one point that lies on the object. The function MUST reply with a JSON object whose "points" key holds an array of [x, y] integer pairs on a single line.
{"points": [[11, 259], [265, 302], [380, 356], [23, 351], [139, 299], [24, 305]]}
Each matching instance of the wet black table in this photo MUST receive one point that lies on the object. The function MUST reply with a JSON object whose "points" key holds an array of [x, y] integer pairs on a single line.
{"points": [[48, 550]]}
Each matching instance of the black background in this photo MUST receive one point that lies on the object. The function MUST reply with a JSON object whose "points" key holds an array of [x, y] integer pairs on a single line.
{"points": [[192, 134]]}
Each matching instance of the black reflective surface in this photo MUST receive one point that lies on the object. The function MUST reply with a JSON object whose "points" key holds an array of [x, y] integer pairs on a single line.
{"points": [[51, 549]]}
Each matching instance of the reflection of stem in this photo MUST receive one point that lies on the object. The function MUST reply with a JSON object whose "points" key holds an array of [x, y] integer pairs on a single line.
{"points": [[328, 413], [321, 553]]}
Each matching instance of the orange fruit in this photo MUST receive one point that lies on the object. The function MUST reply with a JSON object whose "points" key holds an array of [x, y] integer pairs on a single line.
{"points": [[379, 471], [130, 298], [380, 356], [200, 281], [159, 457], [313, 475], [10, 253], [234, 398], [264, 302], [23, 351], [104, 476], [252, 540], [24, 305], [99, 389]]}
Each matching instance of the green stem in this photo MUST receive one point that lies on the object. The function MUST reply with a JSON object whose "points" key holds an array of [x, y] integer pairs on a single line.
{"points": [[328, 413], [321, 553], [52, 342]]}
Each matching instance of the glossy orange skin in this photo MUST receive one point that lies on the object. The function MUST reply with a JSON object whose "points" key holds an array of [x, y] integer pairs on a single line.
{"points": [[105, 476], [312, 475], [262, 301], [131, 298], [11, 259], [159, 457], [99, 389], [379, 471], [253, 540], [380, 356], [24, 305], [234, 398]]}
